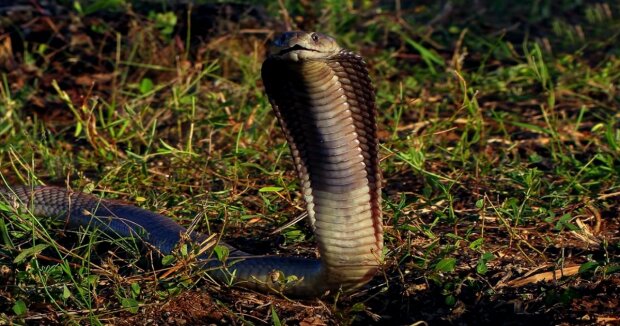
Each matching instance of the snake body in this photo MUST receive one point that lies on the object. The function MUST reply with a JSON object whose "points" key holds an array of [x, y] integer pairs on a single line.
{"points": [[324, 101]]}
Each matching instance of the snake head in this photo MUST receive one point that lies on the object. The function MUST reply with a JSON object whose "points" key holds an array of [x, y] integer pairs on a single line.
{"points": [[301, 46]]}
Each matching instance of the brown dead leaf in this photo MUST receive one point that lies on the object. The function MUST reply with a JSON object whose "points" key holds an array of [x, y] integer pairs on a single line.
{"points": [[6, 53], [81, 40], [545, 276], [607, 319], [88, 80], [312, 321], [585, 233]]}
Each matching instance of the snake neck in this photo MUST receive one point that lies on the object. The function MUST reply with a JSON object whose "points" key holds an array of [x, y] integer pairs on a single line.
{"points": [[330, 126]]}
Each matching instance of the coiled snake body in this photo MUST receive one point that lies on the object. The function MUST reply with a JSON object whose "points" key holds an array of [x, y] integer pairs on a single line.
{"points": [[324, 101]]}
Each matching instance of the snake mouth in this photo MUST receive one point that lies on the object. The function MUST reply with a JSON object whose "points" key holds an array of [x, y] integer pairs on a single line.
{"points": [[296, 47]]}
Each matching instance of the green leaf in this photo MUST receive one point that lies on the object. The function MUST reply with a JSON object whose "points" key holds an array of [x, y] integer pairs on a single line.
{"points": [[184, 250], [66, 294], [135, 288], [165, 21], [481, 266], [78, 7], [358, 307], [294, 235], [99, 5], [487, 256], [476, 244], [167, 260], [270, 189], [188, 100], [19, 308], [221, 252], [430, 57], [91, 280], [78, 129], [612, 269], [146, 85], [446, 265], [33, 251], [274, 317], [531, 127], [564, 222], [130, 304], [4, 207], [587, 266]]}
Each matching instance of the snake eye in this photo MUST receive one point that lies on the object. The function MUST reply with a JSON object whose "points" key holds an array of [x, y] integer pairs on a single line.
{"points": [[315, 37], [279, 41]]}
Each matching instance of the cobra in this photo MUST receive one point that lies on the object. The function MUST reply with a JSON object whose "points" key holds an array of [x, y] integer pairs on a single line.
{"points": [[324, 100]]}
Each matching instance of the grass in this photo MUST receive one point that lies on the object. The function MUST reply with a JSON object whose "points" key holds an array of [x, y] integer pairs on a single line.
{"points": [[500, 138]]}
